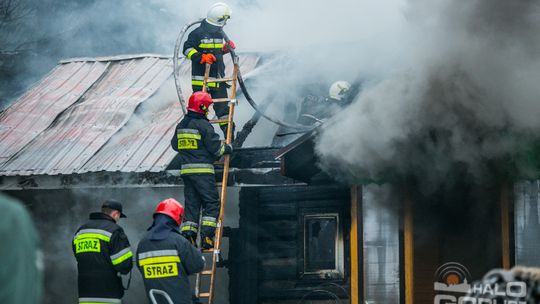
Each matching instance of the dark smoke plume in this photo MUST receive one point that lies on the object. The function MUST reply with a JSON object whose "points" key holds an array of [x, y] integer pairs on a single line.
{"points": [[465, 95]]}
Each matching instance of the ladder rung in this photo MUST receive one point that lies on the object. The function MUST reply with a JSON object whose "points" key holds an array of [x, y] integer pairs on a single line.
{"points": [[221, 100], [204, 295], [206, 272], [220, 80], [219, 120], [211, 250]]}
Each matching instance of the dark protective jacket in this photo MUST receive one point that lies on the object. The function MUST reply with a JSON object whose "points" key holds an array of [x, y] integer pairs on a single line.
{"points": [[197, 143], [166, 259], [102, 251], [205, 39], [318, 107]]}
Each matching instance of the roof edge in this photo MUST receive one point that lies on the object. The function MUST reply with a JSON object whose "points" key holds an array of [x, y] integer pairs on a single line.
{"points": [[114, 58], [127, 57]]}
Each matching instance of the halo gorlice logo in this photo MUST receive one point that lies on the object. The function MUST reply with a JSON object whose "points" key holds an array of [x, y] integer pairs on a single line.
{"points": [[453, 286], [452, 277]]}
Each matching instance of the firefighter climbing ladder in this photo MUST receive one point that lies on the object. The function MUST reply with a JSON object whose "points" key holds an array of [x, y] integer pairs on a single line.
{"points": [[223, 198]]}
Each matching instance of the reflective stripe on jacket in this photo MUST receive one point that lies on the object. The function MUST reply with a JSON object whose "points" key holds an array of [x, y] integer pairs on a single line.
{"points": [[197, 144]]}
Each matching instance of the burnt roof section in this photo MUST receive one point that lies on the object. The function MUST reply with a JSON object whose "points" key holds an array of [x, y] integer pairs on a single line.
{"points": [[101, 114], [299, 160]]}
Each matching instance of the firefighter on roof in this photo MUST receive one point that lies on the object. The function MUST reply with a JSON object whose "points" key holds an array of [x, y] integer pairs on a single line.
{"points": [[165, 258], [198, 147], [102, 251], [206, 45], [317, 108]]}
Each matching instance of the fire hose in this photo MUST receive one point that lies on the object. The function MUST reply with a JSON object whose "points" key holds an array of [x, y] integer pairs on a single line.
{"points": [[250, 100]]}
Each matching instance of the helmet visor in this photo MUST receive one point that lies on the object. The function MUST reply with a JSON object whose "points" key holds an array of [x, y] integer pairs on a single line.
{"points": [[223, 19]]}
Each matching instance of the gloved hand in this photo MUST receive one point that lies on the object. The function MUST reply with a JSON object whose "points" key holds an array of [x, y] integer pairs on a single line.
{"points": [[228, 149], [208, 58], [228, 47]]}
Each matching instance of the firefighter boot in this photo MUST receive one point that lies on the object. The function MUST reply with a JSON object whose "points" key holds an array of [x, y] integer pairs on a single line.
{"points": [[207, 242], [191, 237]]}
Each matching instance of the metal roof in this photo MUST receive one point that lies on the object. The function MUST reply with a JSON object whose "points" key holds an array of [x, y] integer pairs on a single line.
{"points": [[92, 115], [37, 108]]}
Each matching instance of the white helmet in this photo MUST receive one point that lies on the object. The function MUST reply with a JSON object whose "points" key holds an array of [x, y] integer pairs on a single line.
{"points": [[339, 89], [218, 14]]}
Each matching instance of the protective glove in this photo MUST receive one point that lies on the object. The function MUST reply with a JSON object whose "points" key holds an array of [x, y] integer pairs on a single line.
{"points": [[208, 58], [229, 45], [228, 149]]}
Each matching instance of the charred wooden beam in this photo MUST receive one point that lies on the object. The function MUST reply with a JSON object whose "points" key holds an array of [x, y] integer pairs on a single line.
{"points": [[237, 177]]}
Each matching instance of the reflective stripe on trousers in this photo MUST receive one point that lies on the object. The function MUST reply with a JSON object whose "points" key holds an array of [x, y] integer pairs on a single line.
{"points": [[98, 300], [209, 221], [199, 81], [197, 169], [189, 226]]}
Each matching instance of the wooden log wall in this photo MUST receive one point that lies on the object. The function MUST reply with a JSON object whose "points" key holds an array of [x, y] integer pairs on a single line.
{"points": [[269, 241]]}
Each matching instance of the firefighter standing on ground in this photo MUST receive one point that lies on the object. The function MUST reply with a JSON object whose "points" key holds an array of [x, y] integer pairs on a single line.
{"points": [[206, 45], [165, 258], [102, 251], [198, 147]]}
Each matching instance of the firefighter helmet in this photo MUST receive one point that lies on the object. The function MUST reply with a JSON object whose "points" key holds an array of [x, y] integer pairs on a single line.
{"points": [[339, 90], [218, 14], [172, 208], [199, 102]]}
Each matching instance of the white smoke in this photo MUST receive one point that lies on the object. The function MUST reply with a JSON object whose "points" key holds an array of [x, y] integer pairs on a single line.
{"points": [[316, 42], [465, 93]]}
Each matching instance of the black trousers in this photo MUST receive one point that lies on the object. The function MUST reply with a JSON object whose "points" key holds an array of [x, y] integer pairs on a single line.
{"points": [[200, 190]]}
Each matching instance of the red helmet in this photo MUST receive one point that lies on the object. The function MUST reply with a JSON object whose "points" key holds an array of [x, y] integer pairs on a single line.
{"points": [[199, 102], [172, 208]]}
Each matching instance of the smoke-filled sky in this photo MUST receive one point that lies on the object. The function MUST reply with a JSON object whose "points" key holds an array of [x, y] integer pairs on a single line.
{"points": [[444, 81], [317, 41], [464, 92]]}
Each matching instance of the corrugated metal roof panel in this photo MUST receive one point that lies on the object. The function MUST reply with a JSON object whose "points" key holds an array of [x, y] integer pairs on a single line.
{"points": [[100, 132], [36, 110], [141, 147], [144, 143], [80, 131]]}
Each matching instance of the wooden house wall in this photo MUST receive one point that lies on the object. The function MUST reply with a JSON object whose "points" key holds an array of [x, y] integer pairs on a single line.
{"points": [[527, 223], [460, 224], [267, 248], [381, 244]]}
